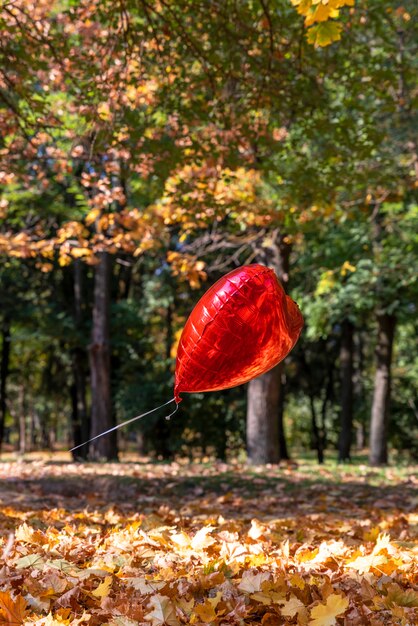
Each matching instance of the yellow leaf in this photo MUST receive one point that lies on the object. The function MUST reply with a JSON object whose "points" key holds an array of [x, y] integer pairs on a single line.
{"points": [[12, 610], [371, 534], [50, 620], [255, 560], [103, 590], [77, 253], [92, 216], [326, 614], [304, 555], [303, 6], [103, 111], [297, 581], [64, 259], [322, 13], [326, 283], [205, 612], [347, 267], [324, 33]]}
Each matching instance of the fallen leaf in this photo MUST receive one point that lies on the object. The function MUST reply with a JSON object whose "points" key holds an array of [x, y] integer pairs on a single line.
{"points": [[291, 607], [398, 597], [251, 582], [205, 612], [12, 610], [363, 564], [326, 614], [202, 539], [271, 619], [103, 590], [31, 560], [27, 534], [163, 611]]}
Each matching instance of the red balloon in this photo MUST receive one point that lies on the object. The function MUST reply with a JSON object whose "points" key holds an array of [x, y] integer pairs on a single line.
{"points": [[241, 327]]}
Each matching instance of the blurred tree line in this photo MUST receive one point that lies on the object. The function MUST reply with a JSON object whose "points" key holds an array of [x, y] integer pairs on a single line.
{"points": [[147, 149]]}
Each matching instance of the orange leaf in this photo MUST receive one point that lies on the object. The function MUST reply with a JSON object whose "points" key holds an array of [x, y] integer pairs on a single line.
{"points": [[12, 611]]}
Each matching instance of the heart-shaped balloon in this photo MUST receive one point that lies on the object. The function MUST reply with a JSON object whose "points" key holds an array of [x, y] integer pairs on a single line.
{"points": [[242, 326]]}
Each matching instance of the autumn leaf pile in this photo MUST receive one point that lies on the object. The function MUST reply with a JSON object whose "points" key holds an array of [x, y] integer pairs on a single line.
{"points": [[136, 543]]}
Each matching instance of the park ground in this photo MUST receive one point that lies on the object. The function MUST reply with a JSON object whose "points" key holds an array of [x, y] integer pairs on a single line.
{"points": [[140, 542]]}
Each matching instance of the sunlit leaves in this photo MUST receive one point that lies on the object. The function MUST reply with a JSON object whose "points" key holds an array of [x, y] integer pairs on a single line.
{"points": [[326, 614], [318, 15], [198, 559], [102, 590], [187, 267]]}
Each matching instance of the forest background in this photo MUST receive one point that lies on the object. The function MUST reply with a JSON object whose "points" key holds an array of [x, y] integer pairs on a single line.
{"points": [[148, 148]]}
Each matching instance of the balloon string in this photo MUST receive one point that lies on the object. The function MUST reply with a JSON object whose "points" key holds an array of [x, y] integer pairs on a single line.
{"points": [[133, 419]]}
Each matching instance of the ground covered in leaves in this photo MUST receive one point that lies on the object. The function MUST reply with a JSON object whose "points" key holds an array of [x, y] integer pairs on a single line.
{"points": [[187, 543]]}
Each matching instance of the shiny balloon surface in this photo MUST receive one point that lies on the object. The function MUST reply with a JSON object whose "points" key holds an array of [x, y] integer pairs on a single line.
{"points": [[241, 327]]}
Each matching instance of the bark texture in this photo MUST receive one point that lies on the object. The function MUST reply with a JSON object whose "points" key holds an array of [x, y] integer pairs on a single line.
{"points": [[80, 422], [283, 451], [4, 372], [104, 448], [266, 441], [262, 418], [347, 396], [381, 396]]}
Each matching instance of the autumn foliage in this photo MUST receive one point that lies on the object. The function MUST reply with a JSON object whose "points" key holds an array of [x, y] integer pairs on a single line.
{"points": [[146, 149], [222, 545]]}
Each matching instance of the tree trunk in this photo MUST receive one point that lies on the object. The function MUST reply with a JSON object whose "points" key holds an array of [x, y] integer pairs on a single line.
{"points": [[4, 372], [79, 418], [262, 422], [360, 436], [104, 448], [163, 428], [265, 404], [346, 365], [22, 421], [80, 421], [381, 396], [317, 435], [358, 391], [283, 451]]}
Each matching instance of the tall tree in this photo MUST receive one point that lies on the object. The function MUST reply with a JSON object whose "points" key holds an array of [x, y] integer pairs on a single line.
{"points": [[4, 372], [266, 442], [99, 352], [382, 389], [347, 390], [80, 419]]}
